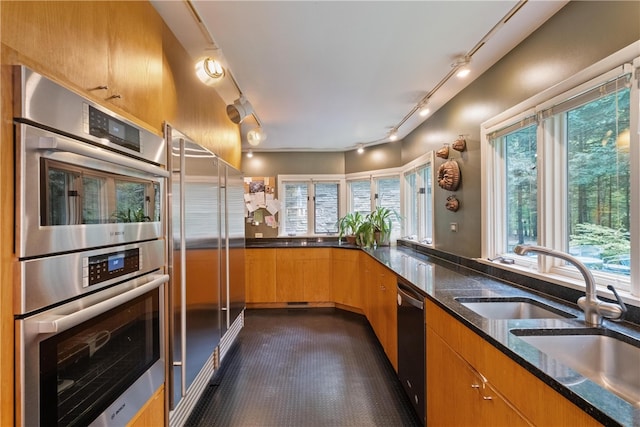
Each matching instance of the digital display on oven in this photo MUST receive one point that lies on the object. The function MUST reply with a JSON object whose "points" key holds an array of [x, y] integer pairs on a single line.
{"points": [[101, 268], [116, 129], [105, 126], [115, 262]]}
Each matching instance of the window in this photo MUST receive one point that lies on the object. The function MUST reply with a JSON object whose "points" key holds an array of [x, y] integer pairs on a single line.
{"points": [[360, 196], [560, 175], [326, 207], [310, 204], [418, 200], [377, 188], [296, 200], [387, 195]]}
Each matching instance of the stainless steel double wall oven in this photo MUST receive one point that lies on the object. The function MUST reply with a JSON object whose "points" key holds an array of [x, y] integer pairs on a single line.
{"points": [[90, 237]]}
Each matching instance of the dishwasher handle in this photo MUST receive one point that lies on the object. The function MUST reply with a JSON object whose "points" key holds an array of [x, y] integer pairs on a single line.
{"points": [[404, 296]]}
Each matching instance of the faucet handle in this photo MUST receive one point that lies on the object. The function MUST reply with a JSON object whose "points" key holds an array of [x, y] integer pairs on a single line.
{"points": [[623, 307]]}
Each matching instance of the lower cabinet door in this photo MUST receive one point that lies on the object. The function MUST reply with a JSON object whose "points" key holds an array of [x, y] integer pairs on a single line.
{"points": [[458, 395]]}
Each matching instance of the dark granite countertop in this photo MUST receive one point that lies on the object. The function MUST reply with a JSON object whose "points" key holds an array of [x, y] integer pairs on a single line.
{"points": [[299, 242], [444, 282]]}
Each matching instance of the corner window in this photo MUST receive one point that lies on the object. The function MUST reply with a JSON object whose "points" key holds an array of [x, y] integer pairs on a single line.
{"points": [[377, 188]]}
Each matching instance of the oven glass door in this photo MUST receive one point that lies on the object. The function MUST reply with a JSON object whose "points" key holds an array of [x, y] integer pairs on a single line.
{"points": [[74, 196], [85, 368]]}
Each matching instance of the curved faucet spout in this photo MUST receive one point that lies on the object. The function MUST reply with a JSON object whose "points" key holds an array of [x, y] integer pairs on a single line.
{"points": [[594, 309]]}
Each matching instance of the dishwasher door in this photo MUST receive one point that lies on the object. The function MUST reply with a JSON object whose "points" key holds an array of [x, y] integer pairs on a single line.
{"points": [[411, 346]]}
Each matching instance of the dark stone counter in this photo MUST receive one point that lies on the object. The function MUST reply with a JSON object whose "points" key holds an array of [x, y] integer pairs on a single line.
{"points": [[444, 282], [443, 279]]}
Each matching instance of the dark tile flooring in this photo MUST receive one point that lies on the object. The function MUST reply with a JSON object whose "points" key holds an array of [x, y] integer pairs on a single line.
{"points": [[304, 367]]}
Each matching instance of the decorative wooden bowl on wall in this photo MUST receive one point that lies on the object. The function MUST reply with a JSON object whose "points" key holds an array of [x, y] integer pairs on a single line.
{"points": [[449, 175]]}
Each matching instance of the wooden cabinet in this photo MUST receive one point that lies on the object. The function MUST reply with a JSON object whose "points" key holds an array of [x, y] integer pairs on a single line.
{"points": [[458, 359], [111, 52], [453, 383], [260, 275], [303, 275], [135, 60], [345, 276], [152, 414], [380, 305]]}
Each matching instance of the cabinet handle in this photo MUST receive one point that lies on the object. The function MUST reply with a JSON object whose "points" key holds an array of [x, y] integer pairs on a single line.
{"points": [[476, 386], [100, 88], [487, 398], [115, 96]]}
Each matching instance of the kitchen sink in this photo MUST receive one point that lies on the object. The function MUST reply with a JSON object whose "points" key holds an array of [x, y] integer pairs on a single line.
{"points": [[605, 357], [512, 308]]}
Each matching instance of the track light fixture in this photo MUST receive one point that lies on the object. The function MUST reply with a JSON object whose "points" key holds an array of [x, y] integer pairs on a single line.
{"points": [[255, 136], [239, 110], [249, 154], [209, 71], [462, 66], [393, 135], [360, 148], [423, 109]]}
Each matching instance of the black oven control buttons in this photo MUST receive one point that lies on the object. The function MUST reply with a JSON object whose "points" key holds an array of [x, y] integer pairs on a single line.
{"points": [[103, 125], [100, 268]]}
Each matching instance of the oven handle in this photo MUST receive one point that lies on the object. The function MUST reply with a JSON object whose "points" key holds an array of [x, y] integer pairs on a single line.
{"points": [[54, 143], [62, 323]]}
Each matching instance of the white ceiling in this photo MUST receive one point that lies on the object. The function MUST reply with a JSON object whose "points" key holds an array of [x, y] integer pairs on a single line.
{"points": [[328, 75]]}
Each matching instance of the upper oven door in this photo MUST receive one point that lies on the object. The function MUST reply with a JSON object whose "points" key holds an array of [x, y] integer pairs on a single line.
{"points": [[73, 195]]}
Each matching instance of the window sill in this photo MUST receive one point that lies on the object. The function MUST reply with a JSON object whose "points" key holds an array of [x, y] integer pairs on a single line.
{"points": [[561, 280]]}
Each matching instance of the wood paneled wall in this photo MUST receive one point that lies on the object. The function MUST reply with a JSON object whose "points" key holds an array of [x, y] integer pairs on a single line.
{"points": [[195, 109], [82, 45]]}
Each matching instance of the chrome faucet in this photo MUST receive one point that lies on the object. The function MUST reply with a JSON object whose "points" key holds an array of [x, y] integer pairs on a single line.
{"points": [[594, 309]]}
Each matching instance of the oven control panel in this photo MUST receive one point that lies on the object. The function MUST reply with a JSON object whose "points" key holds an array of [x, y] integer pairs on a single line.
{"points": [[100, 268], [103, 125]]}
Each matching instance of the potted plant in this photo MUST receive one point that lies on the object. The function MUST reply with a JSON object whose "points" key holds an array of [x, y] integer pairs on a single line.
{"points": [[348, 226], [381, 223]]}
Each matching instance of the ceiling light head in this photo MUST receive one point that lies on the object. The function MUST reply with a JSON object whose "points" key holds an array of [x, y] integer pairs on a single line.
{"points": [[250, 154], [462, 66], [239, 110], [360, 148], [255, 136], [393, 135], [423, 109], [209, 71]]}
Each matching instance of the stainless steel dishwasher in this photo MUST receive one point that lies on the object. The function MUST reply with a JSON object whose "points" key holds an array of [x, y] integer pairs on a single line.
{"points": [[411, 346]]}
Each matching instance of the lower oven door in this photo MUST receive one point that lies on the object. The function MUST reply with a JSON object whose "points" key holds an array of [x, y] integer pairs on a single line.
{"points": [[95, 360]]}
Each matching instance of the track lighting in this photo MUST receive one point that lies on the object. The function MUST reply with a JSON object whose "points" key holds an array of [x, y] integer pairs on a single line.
{"points": [[250, 154], [209, 71], [360, 148], [255, 136], [393, 135], [239, 110], [423, 109], [462, 67]]}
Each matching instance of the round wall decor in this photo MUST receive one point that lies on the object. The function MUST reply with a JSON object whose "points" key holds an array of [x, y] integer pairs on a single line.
{"points": [[449, 175]]}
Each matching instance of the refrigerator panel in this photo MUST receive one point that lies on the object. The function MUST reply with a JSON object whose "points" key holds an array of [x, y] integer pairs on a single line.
{"points": [[195, 328], [235, 225]]}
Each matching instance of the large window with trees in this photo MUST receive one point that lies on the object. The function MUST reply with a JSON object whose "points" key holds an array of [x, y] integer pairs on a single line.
{"points": [[560, 174]]}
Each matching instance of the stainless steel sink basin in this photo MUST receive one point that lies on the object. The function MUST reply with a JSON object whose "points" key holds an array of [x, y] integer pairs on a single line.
{"points": [[605, 357], [512, 308]]}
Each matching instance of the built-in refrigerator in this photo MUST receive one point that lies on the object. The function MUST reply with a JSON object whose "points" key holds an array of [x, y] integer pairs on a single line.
{"points": [[206, 266]]}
